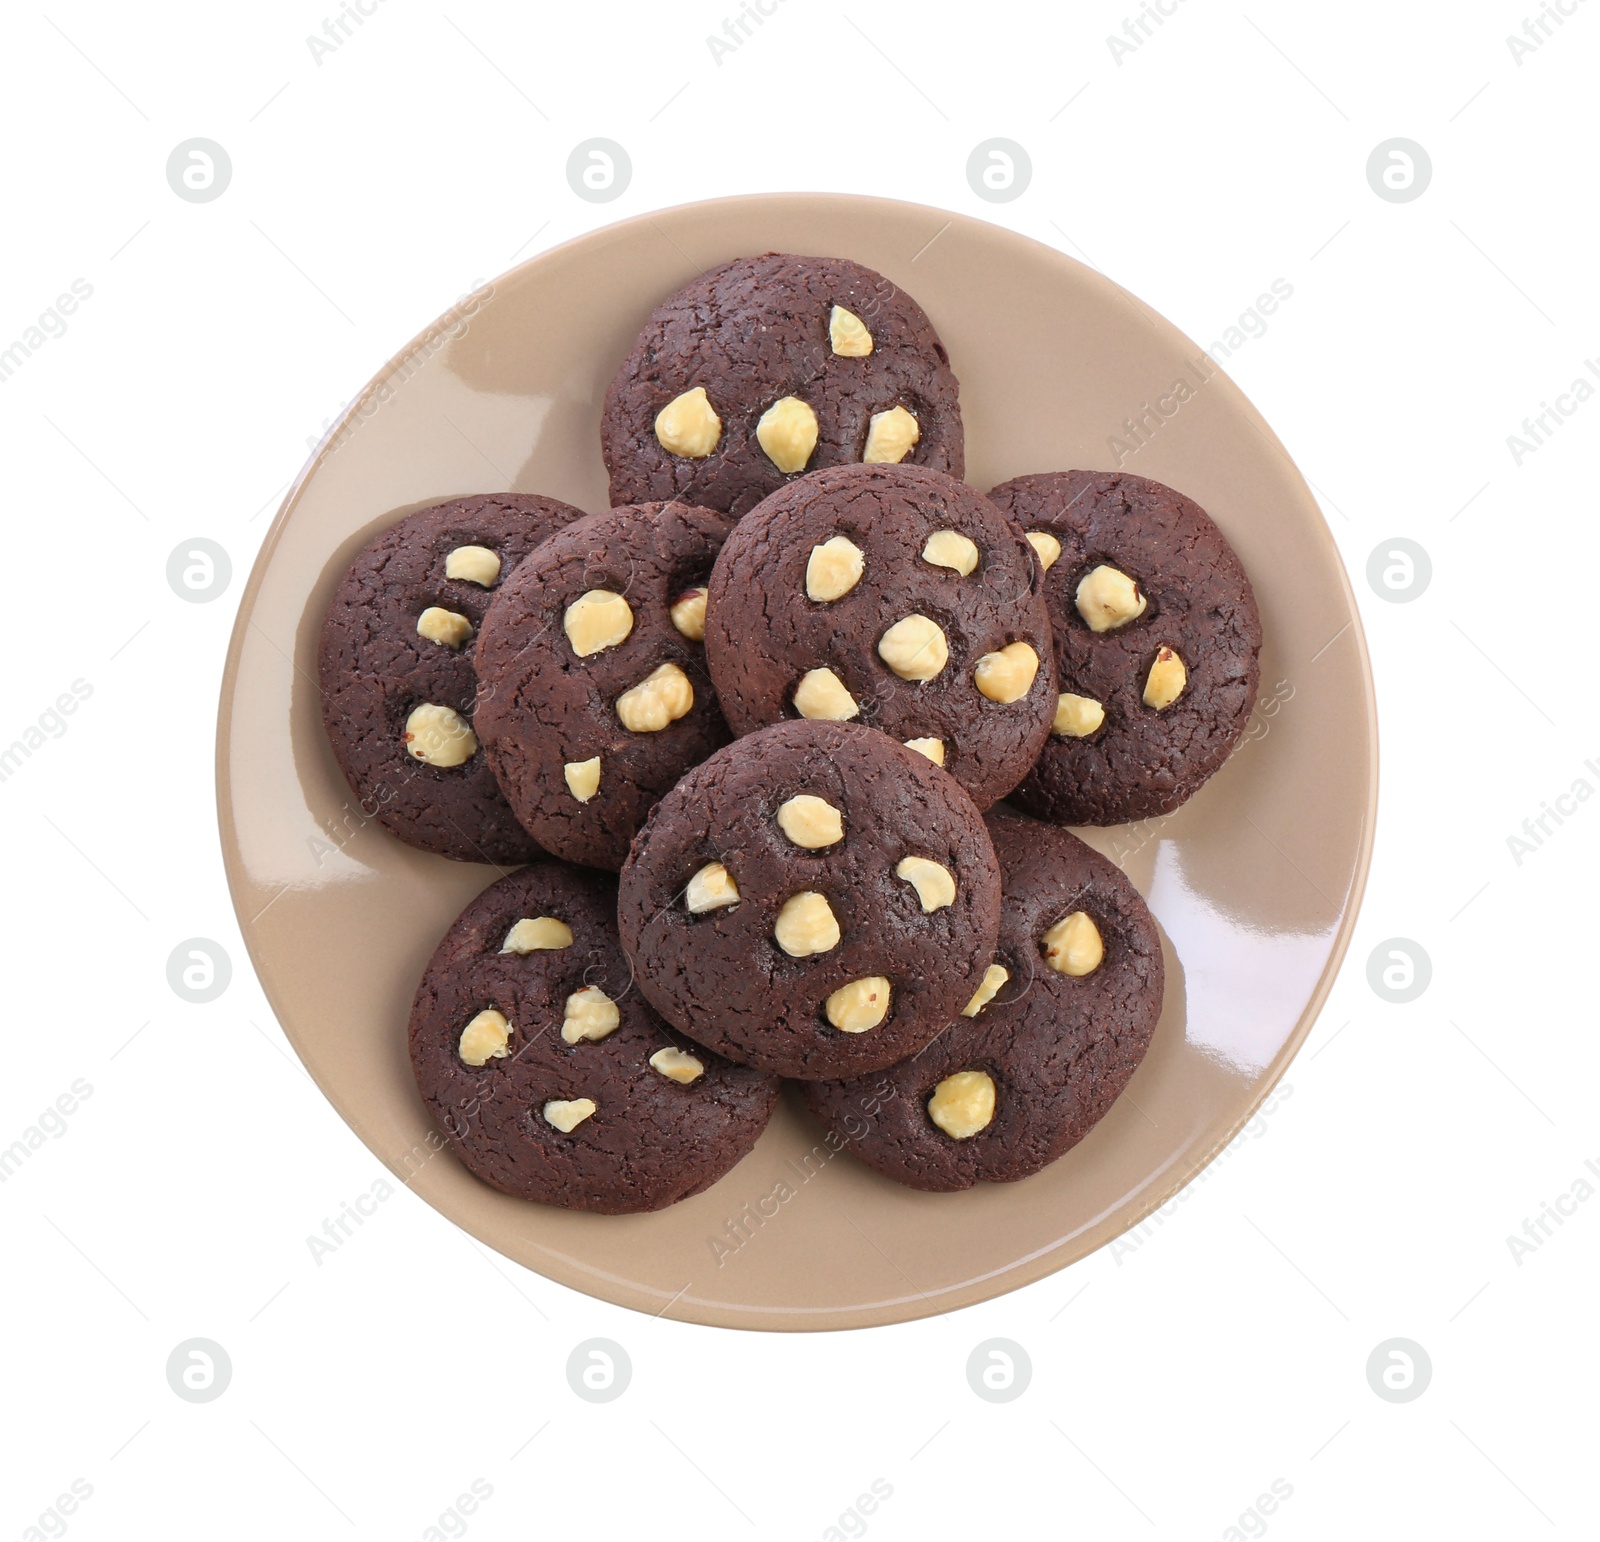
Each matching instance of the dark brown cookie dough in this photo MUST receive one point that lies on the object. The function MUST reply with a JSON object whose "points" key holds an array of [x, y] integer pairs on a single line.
{"points": [[758, 331], [574, 1032], [1139, 761], [730, 881], [377, 670], [770, 623], [611, 601], [1056, 1049]]}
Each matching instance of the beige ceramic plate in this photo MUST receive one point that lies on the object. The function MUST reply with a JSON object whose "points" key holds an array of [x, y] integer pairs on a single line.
{"points": [[1255, 883]]}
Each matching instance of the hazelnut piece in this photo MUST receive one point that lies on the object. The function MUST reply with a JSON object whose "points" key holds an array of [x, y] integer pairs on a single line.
{"points": [[688, 425], [788, 433], [951, 549], [537, 934], [811, 822], [712, 888], [963, 1104], [1166, 680], [848, 334], [994, 977], [1007, 676], [1076, 716], [1073, 946], [1045, 546], [890, 437], [834, 568], [914, 648], [821, 694], [590, 1015], [596, 620], [662, 697], [1107, 598], [860, 1005], [448, 628], [583, 778], [485, 1038], [806, 925], [566, 1114], [688, 614], [935, 884], [678, 1065], [474, 565], [439, 736]]}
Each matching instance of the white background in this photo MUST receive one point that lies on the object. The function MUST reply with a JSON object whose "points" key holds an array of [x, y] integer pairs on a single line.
{"points": [[1173, 1383]]}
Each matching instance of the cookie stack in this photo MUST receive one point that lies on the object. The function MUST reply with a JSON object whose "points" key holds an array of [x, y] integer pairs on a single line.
{"points": [[749, 729]]}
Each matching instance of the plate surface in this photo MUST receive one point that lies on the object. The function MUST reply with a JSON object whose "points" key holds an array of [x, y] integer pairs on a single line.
{"points": [[1254, 883]]}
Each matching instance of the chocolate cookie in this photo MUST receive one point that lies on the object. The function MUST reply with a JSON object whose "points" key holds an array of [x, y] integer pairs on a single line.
{"points": [[770, 366], [1061, 1023], [398, 685], [896, 596], [814, 900], [1157, 644], [551, 1077], [593, 697]]}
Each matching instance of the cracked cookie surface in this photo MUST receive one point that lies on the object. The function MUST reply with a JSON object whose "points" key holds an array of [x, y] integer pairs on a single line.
{"points": [[897, 597], [398, 637], [594, 697], [815, 900], [1005, 1092], [550, 1077], [1142, 734], [763, 331]]}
